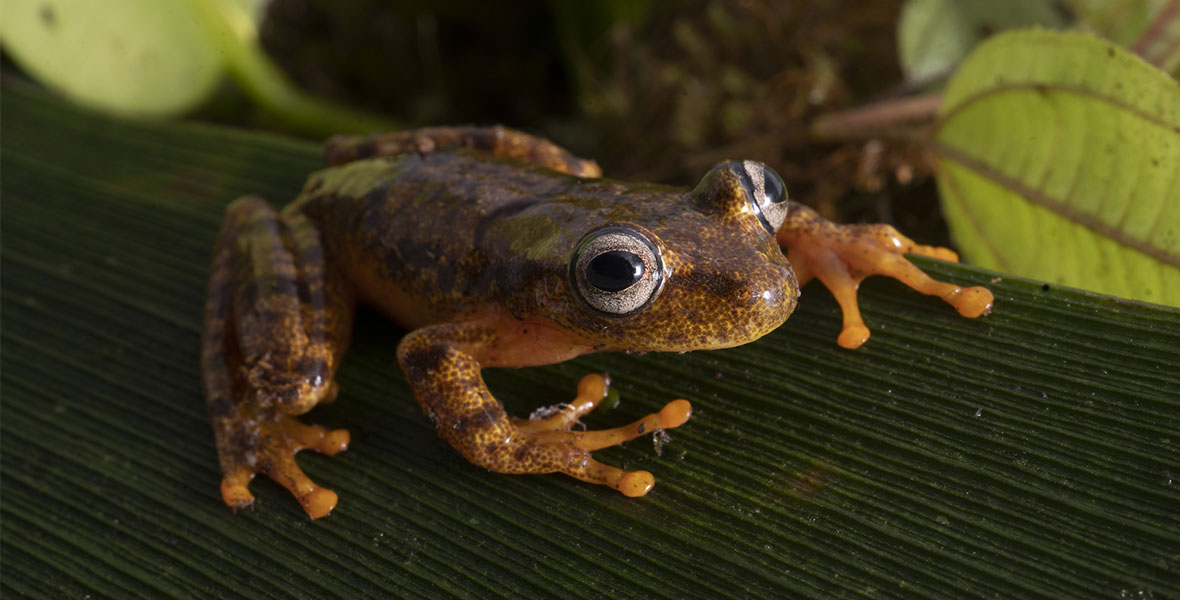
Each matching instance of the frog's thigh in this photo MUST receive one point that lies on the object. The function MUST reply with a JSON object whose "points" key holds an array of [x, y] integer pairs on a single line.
{"points": [[446, 381], [326, 305], [267, 354], [288, 340], [497, 140]]}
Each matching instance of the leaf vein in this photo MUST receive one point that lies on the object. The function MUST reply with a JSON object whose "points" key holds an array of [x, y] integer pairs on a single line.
{"points": [[1044, 200], [1045, 88]]}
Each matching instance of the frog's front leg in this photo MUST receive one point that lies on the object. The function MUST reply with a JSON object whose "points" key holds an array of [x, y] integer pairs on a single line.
{"points": [[841, 256], [275, 325], [442, 365]]}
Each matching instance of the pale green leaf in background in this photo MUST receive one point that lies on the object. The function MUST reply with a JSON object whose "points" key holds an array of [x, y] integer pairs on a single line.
{"points": [[129, 57], [1060, 160], [934, 35], [152, 58]]}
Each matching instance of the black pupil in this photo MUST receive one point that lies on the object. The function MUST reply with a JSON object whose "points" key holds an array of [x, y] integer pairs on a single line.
{"points": [[774, 186], [614, 271]]}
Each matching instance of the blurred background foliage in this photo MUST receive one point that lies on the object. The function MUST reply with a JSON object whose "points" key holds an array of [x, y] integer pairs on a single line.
{"points": [[652, 89]]}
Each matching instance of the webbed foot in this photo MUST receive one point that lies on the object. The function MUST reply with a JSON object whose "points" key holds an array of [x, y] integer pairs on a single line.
{"points": [[269, 448], [841, 256], [550, 441]]}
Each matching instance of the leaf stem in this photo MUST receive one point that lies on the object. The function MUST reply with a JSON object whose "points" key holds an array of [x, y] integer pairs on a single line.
{"points": [[902, 118], [1160, 43]]}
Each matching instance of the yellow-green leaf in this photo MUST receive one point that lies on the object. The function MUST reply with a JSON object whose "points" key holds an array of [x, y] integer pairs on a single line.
{"points": [[1060, 160]]}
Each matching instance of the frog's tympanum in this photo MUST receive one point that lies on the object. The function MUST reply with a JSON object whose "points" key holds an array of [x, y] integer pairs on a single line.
{"points": [[493, 248]]}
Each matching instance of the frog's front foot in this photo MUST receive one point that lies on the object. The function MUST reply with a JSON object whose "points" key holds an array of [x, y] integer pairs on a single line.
{"points": [[841, 256], [445, 375], [268, 446], [548, 440]]}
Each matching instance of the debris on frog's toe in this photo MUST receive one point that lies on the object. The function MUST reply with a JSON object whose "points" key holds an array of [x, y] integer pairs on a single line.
{"points": [[592, 390], [544, 412], [659, 439]]}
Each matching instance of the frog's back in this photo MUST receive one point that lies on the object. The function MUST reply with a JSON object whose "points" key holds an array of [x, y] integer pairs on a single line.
{"points": [[407, 230]]}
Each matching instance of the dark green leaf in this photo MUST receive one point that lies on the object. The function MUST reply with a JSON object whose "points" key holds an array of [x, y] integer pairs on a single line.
{"points": [[1028, 454]]}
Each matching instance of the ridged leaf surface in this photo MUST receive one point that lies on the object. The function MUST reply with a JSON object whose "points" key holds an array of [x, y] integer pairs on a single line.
{"points": [[1028, 454]]}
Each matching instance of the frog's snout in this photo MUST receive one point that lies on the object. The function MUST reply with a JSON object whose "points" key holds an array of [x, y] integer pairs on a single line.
{"points": [[741, 306], [774, 295], [775, 301]]}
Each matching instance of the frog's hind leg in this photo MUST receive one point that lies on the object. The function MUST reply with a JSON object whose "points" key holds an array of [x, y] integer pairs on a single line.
{"points": [[841, 256], [447, 382], [496, 140], [275, 326]]}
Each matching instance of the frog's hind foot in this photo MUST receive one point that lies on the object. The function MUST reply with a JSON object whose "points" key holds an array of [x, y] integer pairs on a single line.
{"points": [[841, 256], [269, 448], [550, 438]]}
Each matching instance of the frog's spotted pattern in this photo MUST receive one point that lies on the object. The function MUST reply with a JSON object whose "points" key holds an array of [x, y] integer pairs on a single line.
{"points": [[471, 251]]}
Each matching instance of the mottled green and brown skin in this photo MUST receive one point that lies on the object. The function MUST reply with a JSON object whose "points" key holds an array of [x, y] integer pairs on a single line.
{"points": [[464, 236]]}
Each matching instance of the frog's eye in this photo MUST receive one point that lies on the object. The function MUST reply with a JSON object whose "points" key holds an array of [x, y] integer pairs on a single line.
{"points": [[768, 194], [617, 270]]}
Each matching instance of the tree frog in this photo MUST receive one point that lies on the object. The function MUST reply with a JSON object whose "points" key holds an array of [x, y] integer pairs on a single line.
{"points": [[495, 248]]}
